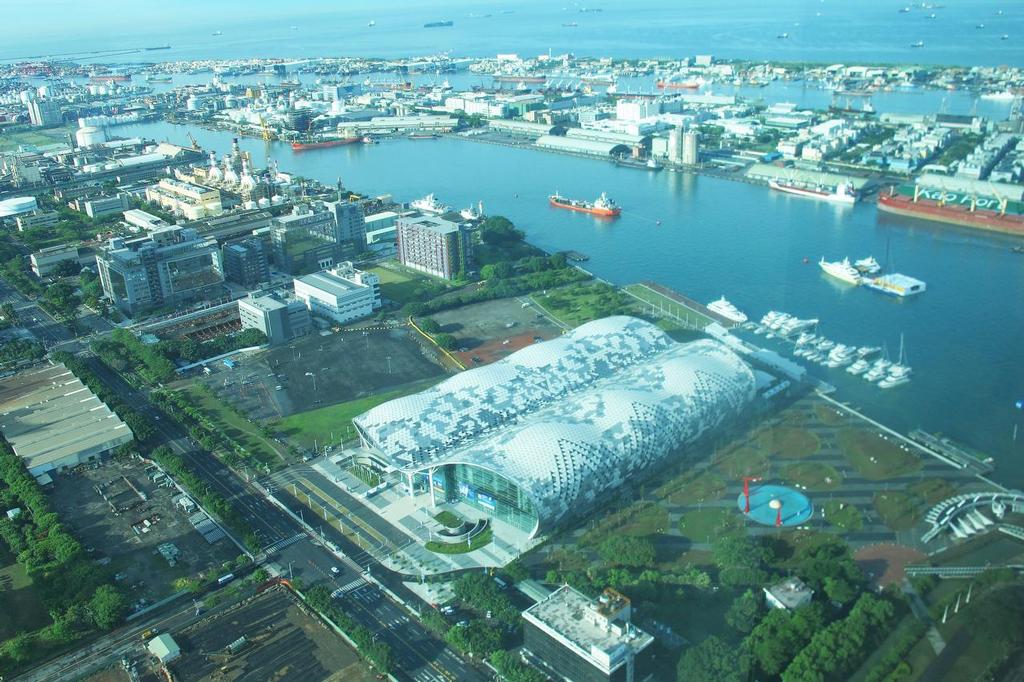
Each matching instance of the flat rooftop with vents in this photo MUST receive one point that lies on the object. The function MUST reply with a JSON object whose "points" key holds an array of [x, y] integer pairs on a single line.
{"points": [[53, 421]]}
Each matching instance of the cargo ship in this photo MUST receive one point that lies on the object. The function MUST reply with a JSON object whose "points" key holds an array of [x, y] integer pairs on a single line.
{"points": [[679, 85], [153, 78], [602, 206], [519, 79], [110, 77], [954, 208], [324, 144], [844, 193], [438, 24]]}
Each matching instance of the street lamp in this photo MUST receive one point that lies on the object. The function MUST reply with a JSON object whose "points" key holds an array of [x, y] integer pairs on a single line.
{"points": [[313, 375]]}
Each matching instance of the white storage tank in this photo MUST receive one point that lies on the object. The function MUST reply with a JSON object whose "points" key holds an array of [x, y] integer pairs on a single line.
{"points": [[90, 136]]}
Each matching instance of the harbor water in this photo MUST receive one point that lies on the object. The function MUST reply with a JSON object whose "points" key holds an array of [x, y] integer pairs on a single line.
{"points": [[759, 248]]}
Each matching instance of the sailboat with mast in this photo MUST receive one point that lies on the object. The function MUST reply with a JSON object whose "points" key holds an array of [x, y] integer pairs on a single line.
{"points": [[899, 372]]}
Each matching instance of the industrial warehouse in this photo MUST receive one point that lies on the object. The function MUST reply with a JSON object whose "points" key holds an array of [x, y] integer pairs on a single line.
{"points": [[546, 433], [54, 422]]}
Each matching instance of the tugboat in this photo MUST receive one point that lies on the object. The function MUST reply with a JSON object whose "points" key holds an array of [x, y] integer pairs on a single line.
{"points": [[602, 206]]}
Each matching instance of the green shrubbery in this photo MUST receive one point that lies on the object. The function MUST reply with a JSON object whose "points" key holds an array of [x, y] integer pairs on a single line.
{"points": [[376, 652]]}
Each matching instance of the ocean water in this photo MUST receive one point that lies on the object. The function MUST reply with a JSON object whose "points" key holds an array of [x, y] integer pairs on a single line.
{"points": [[719, 237], [825, 30]]}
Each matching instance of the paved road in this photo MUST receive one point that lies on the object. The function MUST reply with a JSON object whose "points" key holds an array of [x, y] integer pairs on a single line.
{"points": [[420, 656], [37, 321]]}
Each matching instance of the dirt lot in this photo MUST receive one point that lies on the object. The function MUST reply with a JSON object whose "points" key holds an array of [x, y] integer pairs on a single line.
{"points": [[107, 535], [283, 643], [483, 329], [346, 365]]}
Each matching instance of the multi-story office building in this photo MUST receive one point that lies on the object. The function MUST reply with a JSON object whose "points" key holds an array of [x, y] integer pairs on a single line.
{"points": [[171, 266], [340, 295], [588, 640], [142, 220], [245, 262], [434, 245], [99, 207], [280, 319], [44, 113], [315, 237], [37, 219], [46, 260], [186, 199]]}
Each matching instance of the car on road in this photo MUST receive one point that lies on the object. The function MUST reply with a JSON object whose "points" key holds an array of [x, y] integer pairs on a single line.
{"points": [[334, 570]]}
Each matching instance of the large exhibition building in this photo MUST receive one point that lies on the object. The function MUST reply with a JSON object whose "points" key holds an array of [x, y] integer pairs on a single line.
{"points": [[545, 433]]}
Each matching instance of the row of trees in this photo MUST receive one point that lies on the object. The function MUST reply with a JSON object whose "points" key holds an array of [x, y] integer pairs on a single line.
{"points": [[16, 351], [77, 593], [210, 499], [376, 652]]}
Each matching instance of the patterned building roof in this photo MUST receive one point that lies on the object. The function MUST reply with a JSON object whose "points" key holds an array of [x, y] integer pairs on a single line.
{"points": [[568, 419]]}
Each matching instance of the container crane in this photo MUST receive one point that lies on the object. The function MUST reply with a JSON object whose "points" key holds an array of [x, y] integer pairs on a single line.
{"points": [[195, 144]]}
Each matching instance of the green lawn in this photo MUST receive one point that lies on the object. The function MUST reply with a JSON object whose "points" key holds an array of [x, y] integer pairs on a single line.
{"points": [[638, 520], [843, 515], [20, 605], [702, 525], [898, 510], [237, 428], [743, 461], [829, 415], [694, 488], [789, 441], [448, 519], [305, 427], [813, 475], [403, 285], [874, 457], [580, 303], [11, 141]]}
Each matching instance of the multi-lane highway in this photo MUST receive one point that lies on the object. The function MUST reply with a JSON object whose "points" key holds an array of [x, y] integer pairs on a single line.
{"points": [[418, 655]]}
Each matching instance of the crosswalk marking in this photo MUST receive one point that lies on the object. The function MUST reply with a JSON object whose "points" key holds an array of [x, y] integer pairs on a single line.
{"points": [[286, 542], [345, 589]]}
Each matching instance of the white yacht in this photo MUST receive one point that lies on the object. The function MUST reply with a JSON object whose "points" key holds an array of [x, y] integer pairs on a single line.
{"points": [[473, 212], [840, 355], [797, 325], [899, 372], [779, 321], [841, 270], [805, 338], [430, 204], [727, 310], [858, 367], [868, 265], [867, 351], [825, 344]]}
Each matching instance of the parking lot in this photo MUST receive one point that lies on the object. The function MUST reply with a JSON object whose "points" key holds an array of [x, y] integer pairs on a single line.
{"points": [[121, 516], [491, 330], [282, 643], [315, 371]]}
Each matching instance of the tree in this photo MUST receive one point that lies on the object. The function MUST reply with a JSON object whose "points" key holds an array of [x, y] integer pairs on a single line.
{"points": [[107, 606], [624, 550], [745, 611], [477, 638], [67, 268], [429, 325], [446, 341], [712, 661], [512, 669], [740, 560], [496, 230], [839, 590]]}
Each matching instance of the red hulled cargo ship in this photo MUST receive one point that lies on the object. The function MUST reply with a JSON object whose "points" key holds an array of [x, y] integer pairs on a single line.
{"points": [[323, 144], [602, 206], [679, 85], [978, 212]]}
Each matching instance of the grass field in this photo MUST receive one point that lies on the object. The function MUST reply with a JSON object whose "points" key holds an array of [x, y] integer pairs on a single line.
{"points": [[237, 428], [402, 285], [875, 457], [845, 516], [898, 510], [789, 441], [813, 475], [20, 605], [580, 303], [694, 488], [661, 305], [11, 141], [743, 461], [481, 540], [638, 520], [703, 525], [305, 427]]}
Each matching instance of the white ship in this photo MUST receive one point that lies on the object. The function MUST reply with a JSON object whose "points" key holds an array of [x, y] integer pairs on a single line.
{"points": [[868, 265], [844, 193], [473, 213], [841, 270], [805, 338], [841, 355], [858, 367], [430, 204], [899, 372], [1004, 96], [797, 325], [727, 310]]}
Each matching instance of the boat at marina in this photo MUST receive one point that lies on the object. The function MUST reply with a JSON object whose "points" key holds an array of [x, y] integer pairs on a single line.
{"points": [[841, 355], [473, 212], [602, 206], [795, 324], [859, 367], [727, 310], [865, 352], [649, 164], [841, 270], [844, 193], [899, 372], [868, 265], [430, 204], [323, 143], [825, 344]]}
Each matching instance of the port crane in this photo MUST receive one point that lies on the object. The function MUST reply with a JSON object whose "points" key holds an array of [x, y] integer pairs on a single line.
{"points": [[195, 144], [267, 133]]}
